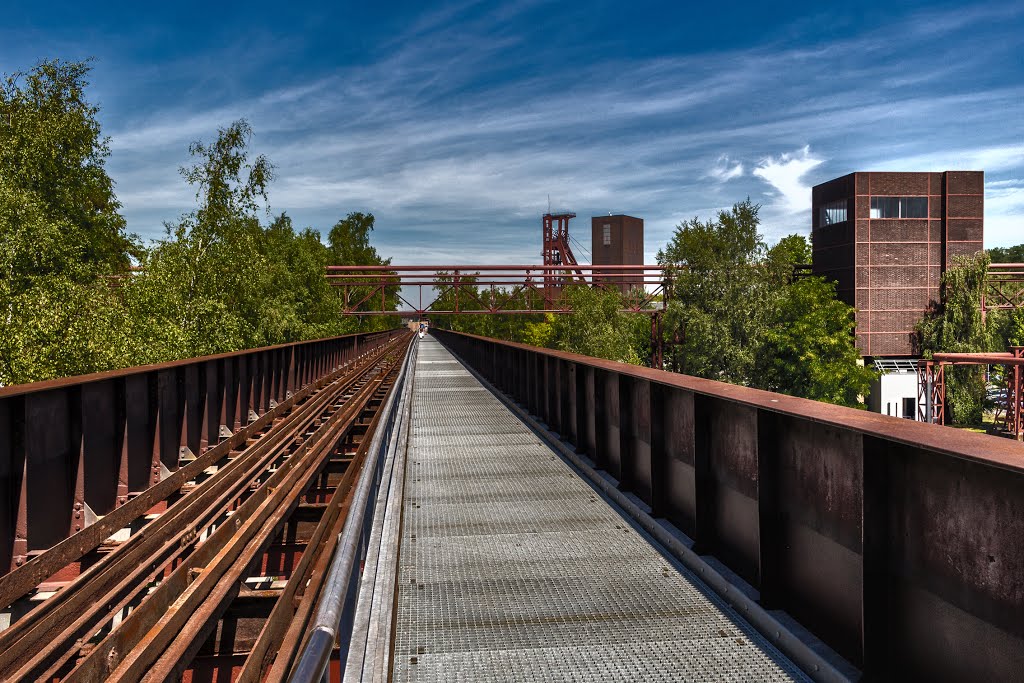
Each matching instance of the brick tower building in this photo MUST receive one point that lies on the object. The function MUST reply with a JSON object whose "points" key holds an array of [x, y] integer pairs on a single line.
{"points": [[886, 238]]}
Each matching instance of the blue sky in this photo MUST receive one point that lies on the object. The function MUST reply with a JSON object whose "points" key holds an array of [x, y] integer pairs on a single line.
{"points": [[454, 122]]}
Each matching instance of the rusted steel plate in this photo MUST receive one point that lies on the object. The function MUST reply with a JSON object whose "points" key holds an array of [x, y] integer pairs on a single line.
{"points": [[900, 544], [103, 438], [957, 443]]}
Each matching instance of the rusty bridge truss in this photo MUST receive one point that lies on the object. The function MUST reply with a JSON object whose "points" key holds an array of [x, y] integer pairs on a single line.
{"points": [[490, 289], [424, 291], [1004, 287], [931, 390]]}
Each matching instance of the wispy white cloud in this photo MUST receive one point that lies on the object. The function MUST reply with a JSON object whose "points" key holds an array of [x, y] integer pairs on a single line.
{"points": [[786, 174], [1004, 211], [991, 159], [454, 136], [725, 169]]}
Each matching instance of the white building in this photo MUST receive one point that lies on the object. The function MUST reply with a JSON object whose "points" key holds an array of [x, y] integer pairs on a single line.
{"points": [[895, 391]]}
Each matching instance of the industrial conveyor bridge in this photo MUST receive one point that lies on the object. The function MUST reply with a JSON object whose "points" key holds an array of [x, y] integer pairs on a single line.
{"points": [[454, 508]]}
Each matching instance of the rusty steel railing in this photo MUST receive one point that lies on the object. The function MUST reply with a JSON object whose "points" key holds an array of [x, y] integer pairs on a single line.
{"points": [[899, 544], [73, 450], [1004, 287]]}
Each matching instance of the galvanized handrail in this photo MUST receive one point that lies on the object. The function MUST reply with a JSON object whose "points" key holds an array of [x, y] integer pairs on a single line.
{"points": [[336, 609]]}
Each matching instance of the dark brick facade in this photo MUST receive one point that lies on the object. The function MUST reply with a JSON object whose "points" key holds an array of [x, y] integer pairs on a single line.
{"points": [[625, 246], [890, 268]]}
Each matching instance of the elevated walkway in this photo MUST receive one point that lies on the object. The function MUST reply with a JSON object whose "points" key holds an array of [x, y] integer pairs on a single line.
{"points": [[513, 568]]}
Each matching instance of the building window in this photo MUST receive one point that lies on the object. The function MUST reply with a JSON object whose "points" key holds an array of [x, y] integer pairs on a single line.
{"points": [[899, 207], [607, 234], [833, 212]]}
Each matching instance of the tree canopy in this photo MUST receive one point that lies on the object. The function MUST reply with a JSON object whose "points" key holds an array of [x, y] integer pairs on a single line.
{"points": [[957, 326], [806, 349], [225, 276], [598, 327], [1013, 254], [736, 315], [718, 307], [60, 229]]}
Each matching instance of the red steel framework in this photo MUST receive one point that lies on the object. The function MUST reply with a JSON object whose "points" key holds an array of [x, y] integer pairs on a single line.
{"points": [[494, 290], [482, 289], [558, 252], [931, 392], [1004, 287], [1004, 290]]}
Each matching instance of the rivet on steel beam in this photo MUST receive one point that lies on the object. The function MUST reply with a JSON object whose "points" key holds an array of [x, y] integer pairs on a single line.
{"points": [[224, 432], [273, 404], [253, 416]]}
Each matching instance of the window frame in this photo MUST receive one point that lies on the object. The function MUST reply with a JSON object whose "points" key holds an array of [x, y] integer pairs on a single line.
{"points": [[833, 208], [898, 204]]}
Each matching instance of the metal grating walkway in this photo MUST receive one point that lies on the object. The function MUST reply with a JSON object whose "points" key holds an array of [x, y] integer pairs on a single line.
{"points": [[513, 568]]}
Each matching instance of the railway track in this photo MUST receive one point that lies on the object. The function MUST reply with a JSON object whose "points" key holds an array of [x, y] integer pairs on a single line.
{"points": [[213, 573]]}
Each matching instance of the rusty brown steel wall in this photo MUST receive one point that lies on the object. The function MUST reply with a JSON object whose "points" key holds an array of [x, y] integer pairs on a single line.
{"points": [[81, 446], [900, 544]]}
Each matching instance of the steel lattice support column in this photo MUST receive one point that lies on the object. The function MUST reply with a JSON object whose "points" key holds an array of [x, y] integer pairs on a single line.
{"points": [[1015, 396]]}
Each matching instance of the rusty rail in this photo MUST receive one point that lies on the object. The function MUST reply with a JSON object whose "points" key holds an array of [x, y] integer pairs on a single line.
{"points": [[254, 507], [336, 592], [899, 544], [77, 449]]}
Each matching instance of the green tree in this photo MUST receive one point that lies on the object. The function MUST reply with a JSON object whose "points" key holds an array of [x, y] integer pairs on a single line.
{"points": [[1013, 254], [538, 333], [300, 303], [60, 228], [789, 251], [206, 287], [349, 245], [349, 242], [957, 326], [807, 349], [1012, 327], [460, 292], [739, 316], [52, 157], [597, 326], [720, 295]]}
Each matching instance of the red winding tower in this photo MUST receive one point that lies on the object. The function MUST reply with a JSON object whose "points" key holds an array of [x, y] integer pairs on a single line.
{"points": [[557, 252]]}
